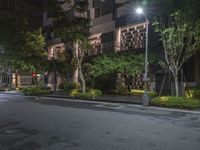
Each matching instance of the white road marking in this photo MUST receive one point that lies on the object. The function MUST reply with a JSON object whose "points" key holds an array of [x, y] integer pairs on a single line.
{"points": [[3, 100]]}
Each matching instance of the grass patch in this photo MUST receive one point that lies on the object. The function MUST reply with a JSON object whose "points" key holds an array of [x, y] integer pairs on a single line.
{"points": [[176, 102]]}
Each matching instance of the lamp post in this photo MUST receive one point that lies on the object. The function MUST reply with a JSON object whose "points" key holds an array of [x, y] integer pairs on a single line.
{"points": [[145, 99]]}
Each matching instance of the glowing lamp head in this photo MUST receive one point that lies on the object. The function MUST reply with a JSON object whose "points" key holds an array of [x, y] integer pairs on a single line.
{"points": [[139, 10]]}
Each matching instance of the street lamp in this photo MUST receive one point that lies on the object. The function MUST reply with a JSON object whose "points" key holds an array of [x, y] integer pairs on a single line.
{"points": [[145, 99]]}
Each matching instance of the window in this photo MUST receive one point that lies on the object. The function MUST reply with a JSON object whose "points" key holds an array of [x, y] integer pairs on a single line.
{"points": [[96, 44], [97, 12]]}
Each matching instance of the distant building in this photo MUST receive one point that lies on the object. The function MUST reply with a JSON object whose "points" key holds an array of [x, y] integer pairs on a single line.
{"points": [[32, 10]]}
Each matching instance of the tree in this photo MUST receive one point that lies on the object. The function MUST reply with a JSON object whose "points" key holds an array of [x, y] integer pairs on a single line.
{"points": [[73, 32], [83, 48], [23, 46], [181, 39], [119, 65]]}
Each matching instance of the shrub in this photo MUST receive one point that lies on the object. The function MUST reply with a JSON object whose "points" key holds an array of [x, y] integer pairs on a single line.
{"points": [[121, 88], [35, 91], [153, 94], [196, 94], [94, 93], [141, 93], [90, 94], [192, 92], [46, 88], [74, 92], [2, 89], [67, 87], [176, 102]]}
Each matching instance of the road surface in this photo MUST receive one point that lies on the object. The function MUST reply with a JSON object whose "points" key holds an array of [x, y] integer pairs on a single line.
{"points": [[45, 124]]}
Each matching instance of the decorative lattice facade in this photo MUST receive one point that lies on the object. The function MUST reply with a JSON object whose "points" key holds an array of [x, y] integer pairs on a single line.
{"points": [[133, 37]]}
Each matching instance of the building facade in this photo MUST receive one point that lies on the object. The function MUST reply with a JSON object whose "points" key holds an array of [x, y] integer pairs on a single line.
{"points": [[115, 27]]}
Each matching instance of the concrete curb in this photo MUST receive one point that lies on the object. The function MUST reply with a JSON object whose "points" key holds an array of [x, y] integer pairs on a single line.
{"points": [[97, 99], [129, 105], [108, 102], [12, 93], [167, 109]]}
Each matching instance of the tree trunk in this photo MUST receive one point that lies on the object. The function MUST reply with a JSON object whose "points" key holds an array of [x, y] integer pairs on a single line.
{"points": [[54, 78], [16, 79], [176, 83], [83, 84]]}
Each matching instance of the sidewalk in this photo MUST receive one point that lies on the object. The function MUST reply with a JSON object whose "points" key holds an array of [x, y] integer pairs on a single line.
{"points": [[104, 98], [134, 101], [12, 92]]}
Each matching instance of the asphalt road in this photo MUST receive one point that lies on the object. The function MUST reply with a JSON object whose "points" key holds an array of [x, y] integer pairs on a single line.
{"points": [[30, 124]]}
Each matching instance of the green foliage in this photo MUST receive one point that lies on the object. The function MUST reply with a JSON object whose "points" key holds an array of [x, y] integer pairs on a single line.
{"points": [[180, 37], [74, 92], [65, 26], [90, 94], [23, 46], [196, 94], [73, 32], [121, 88], [176, 102], [115, 71], [69, 86], [192, 92], [116, 63], [36, 91], [141, 93], [94, 93], [2, 89], [153, 94]]}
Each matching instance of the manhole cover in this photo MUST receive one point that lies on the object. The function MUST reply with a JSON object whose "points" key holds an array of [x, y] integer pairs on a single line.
{"points": [[12, 131]]}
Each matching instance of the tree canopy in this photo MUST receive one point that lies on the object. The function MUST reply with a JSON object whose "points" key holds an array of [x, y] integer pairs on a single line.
{"points": [[23, 47], [180, 36], [117, 63]]}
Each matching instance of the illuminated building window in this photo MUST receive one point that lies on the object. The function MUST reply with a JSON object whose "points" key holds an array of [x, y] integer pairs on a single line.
{"points": [[95, 41], [55, 51], [133, 37]]}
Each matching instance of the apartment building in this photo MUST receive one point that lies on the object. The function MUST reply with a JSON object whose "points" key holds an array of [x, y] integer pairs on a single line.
{"points": [[115, 27]]}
